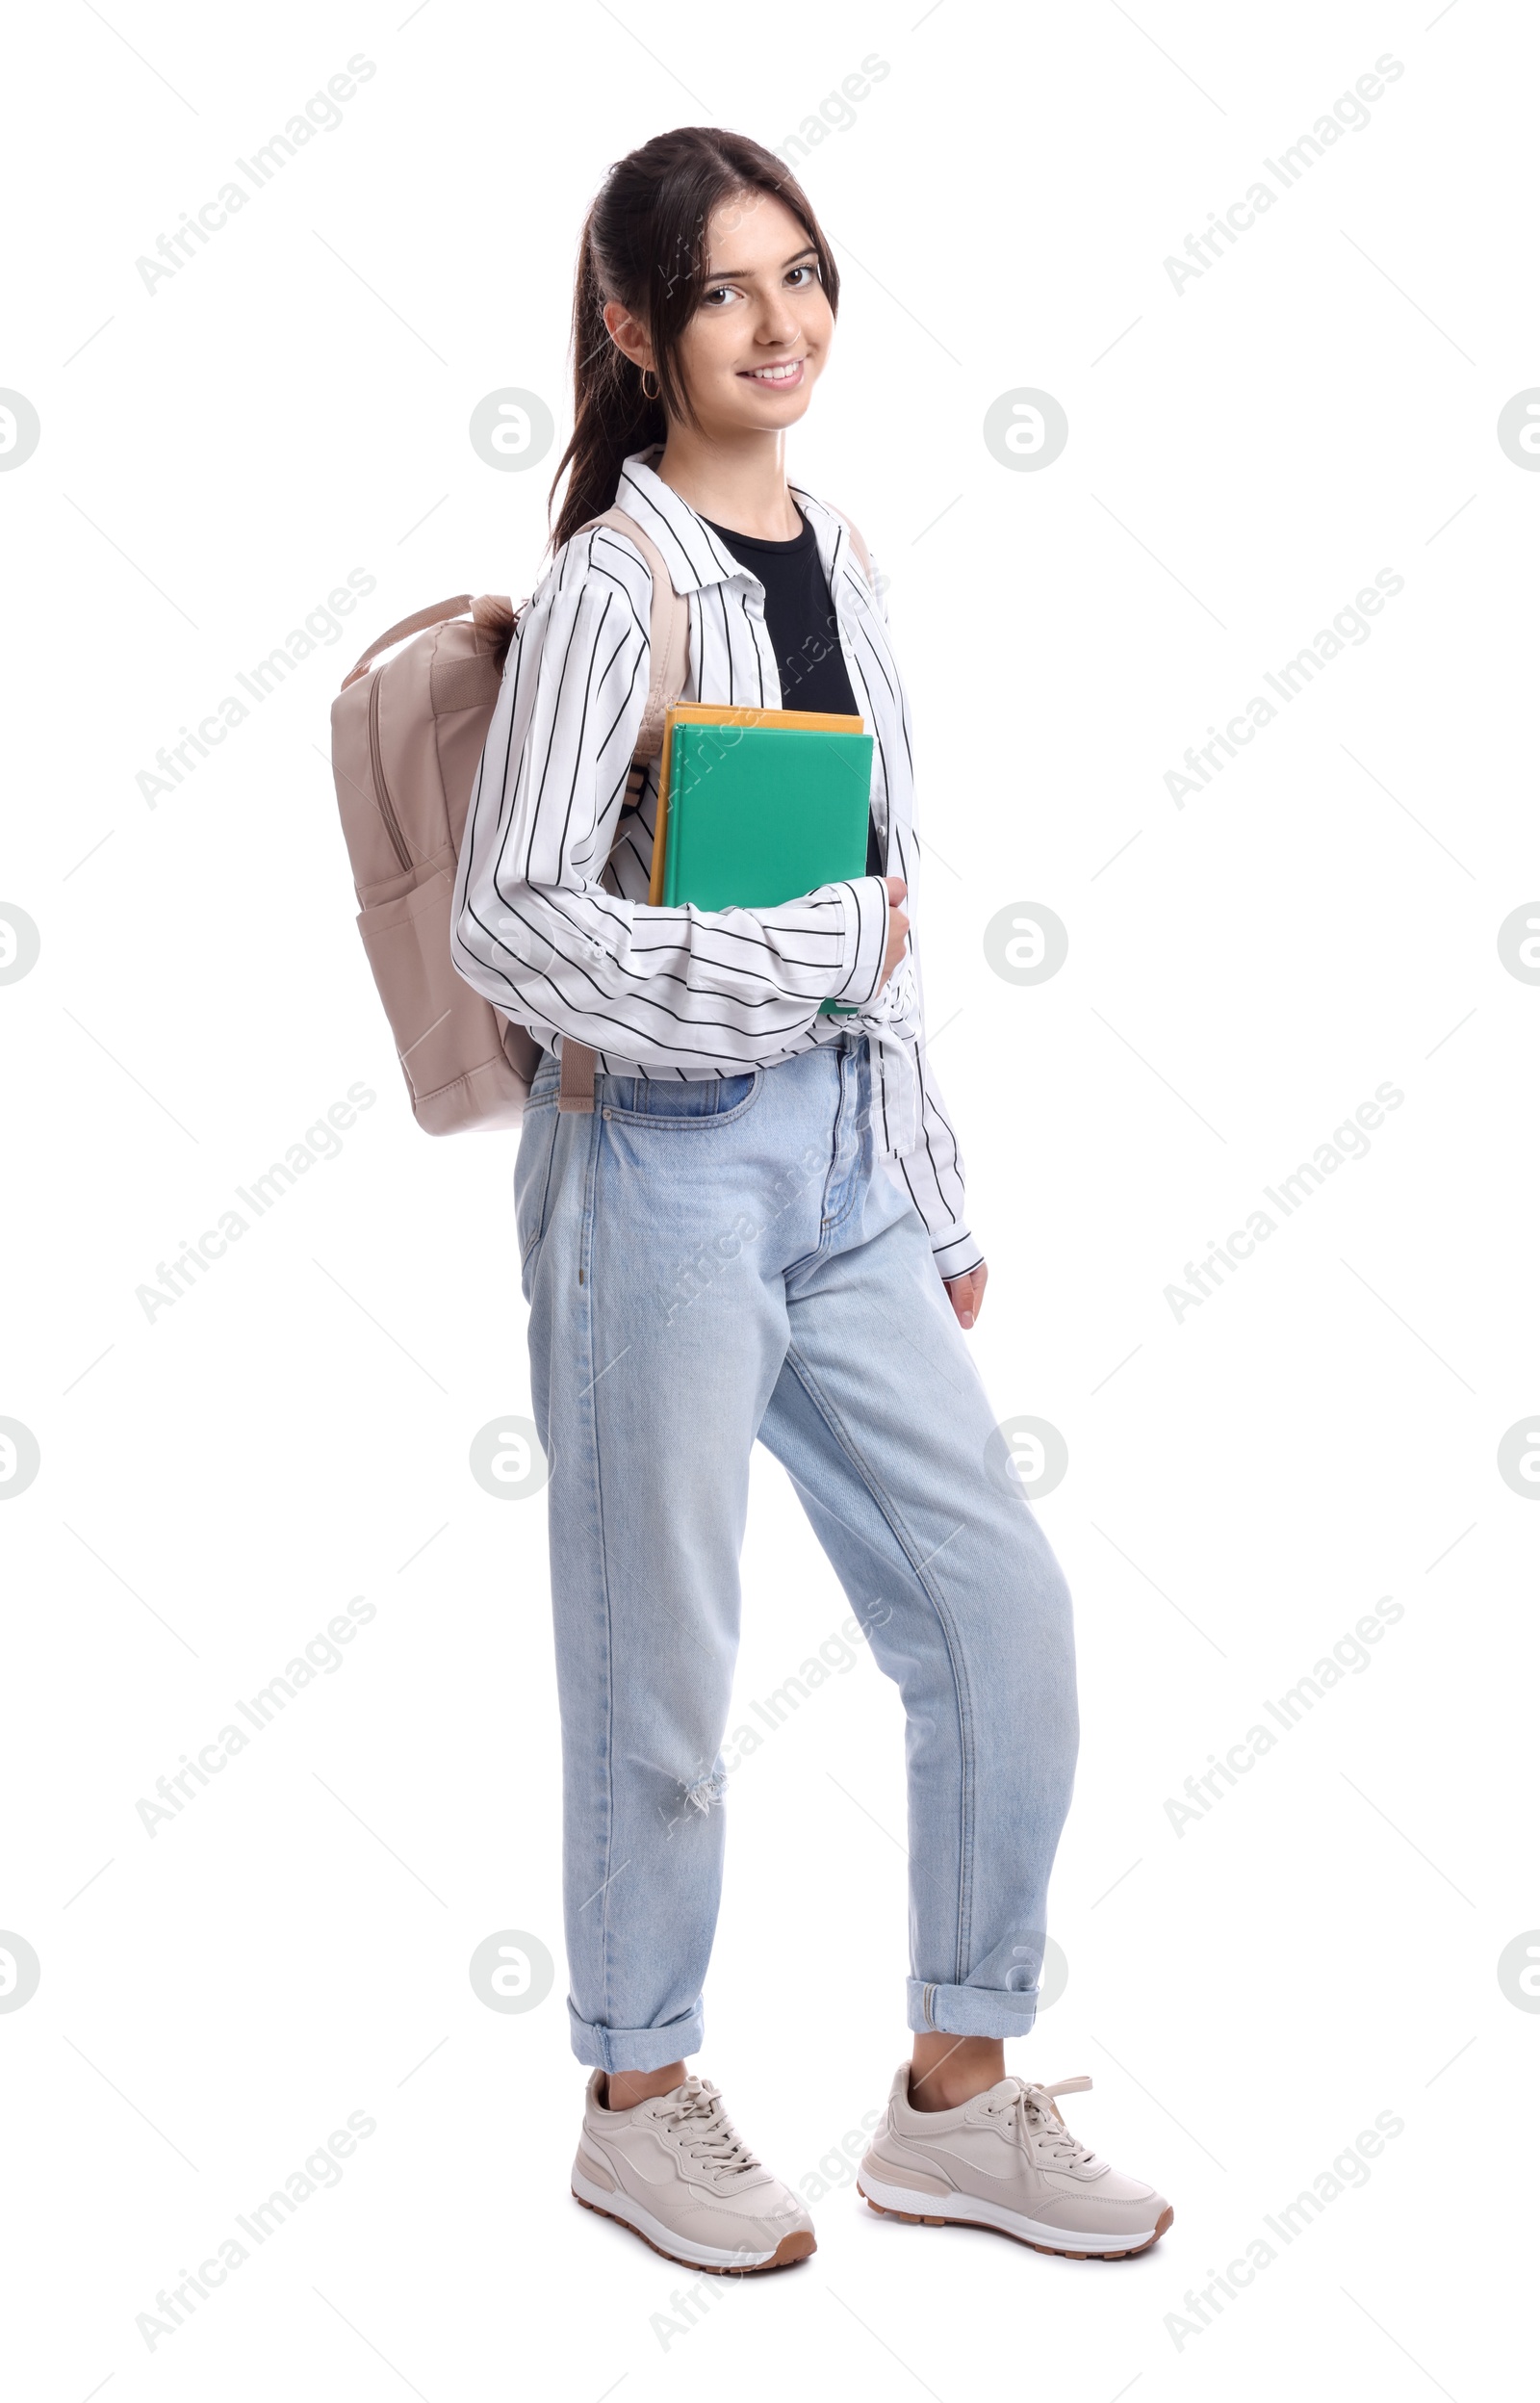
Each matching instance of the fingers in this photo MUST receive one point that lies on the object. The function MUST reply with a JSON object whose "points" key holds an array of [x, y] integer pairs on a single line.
{"points": [[897, 926], [967, 1294]]}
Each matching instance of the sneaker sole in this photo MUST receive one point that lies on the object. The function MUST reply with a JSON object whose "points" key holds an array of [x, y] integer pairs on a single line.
{"points": [[906, 2203], [712, 2258]]}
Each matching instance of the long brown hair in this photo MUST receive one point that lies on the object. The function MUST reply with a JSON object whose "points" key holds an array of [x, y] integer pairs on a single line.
{"points": [[644, 245]]}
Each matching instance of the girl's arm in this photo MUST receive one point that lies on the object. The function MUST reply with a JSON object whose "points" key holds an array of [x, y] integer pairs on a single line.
{"points": [[536, 933], [933, 1173]]}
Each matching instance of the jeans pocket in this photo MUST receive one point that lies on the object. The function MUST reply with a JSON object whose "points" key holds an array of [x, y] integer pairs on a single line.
{"points": [[683, 1102]]}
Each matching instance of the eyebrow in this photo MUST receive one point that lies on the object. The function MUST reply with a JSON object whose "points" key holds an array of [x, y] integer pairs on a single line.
{"points": [[745, 275]]}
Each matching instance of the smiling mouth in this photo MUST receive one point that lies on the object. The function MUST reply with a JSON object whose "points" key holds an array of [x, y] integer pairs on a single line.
{"points": [[783, 372]]}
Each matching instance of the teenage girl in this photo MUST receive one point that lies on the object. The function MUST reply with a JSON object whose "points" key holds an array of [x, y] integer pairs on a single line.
{"points": [[757, 1229]]}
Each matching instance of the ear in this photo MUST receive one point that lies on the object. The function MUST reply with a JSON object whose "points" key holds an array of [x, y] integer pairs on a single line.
{"points": [[628, 334]]}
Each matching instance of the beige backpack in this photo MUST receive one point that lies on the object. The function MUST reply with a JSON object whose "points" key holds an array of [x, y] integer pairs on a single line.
{"points": [[404, 750]]}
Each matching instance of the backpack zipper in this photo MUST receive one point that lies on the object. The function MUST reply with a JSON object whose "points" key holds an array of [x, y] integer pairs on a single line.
{"points": [[382, 797]]}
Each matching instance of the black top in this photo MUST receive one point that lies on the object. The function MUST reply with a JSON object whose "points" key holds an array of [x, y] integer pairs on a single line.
{"points": [[799, 616]]}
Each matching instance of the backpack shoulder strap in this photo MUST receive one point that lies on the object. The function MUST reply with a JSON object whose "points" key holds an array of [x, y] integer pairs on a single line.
{"points": [[857, 542], [416, 623], [670, 632]]}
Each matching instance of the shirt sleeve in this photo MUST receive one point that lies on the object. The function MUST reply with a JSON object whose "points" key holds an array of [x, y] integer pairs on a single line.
{"points": [[936, 1178], [535, 931], [934, 1173]]}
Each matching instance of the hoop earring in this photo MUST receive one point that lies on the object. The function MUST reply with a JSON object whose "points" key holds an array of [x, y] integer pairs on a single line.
{"points": [[656, 386]]}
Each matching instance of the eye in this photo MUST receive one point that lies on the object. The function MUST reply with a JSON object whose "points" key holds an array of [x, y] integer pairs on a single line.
{"points": [[715, 294], [808, 275]]}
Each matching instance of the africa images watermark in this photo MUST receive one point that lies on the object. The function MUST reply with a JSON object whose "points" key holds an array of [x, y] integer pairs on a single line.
{"points": [[1201, 2307], [1205, 760], [694, 1276], [175, 761], [1348, 1142], [321, 1141], [690, 2305], [1349, 115], [836, 113], [321, 1657], [173, 2308], [1348, 1655], [835, 1658], [321, 114]]}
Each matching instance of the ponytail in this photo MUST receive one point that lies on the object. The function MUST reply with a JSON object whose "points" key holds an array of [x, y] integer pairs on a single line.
{"points": [[613, 417]]}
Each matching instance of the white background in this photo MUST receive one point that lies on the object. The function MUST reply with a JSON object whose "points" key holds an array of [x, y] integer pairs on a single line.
{"points": [[1244, 1482]]}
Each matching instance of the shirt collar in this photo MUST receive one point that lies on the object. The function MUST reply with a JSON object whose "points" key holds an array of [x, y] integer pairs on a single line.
{"points": [[694, 553]]}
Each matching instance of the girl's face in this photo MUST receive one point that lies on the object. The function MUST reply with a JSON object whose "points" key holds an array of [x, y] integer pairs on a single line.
{"points": [[757, 344]]}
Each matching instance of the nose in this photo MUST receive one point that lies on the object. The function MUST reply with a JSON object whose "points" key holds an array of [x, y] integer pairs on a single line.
{"points": [[777, 328]]}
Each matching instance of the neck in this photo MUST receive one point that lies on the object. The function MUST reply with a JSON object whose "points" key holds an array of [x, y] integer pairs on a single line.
{"points": [[741, 484]]}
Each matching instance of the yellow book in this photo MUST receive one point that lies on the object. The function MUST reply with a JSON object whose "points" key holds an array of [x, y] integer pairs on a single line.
{"points": [[714, 713]]}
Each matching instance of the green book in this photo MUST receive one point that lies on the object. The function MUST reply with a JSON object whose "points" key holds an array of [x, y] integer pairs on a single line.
{"points": [[759, 814]]}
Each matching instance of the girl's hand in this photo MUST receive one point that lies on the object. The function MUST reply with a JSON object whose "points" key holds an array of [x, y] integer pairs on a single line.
{"points": [[897, 927], [967, 1294]]}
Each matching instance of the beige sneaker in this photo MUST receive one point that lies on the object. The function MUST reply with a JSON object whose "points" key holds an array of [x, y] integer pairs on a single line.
{"points": [[1006, 2160], [672, 2171]]}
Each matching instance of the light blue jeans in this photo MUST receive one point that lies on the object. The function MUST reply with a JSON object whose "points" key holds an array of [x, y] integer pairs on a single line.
{"points": [[706, 1262]]}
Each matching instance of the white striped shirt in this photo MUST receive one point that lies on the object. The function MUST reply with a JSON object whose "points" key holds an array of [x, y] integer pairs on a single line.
{"points": [[570, 946]]}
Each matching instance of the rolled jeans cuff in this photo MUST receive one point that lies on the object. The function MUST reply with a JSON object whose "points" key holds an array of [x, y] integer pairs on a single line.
{"points": [[637, 2048], [969, 2011]]}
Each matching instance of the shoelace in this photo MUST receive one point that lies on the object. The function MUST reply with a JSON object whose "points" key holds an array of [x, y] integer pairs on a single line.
{"points": [[1032, 2113], [712, 2136]]}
